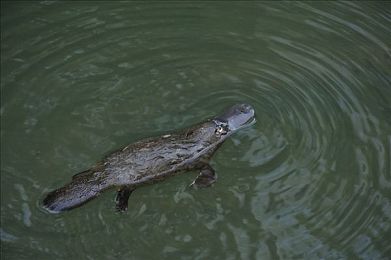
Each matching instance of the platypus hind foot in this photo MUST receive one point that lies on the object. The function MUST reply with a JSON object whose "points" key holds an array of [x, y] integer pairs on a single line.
{"points": [[122, 198]]}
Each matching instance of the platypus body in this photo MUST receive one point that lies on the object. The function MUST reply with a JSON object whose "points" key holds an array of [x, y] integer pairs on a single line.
{"points": [[151, 160]]}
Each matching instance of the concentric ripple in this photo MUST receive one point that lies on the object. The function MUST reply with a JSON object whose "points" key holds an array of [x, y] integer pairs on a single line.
{"points": [[311, 179]]}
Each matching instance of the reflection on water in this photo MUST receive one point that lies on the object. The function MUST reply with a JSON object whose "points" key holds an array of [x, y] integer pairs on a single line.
{"points": [[311, 179]]}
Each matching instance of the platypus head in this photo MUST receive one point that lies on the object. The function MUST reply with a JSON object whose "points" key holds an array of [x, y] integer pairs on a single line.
{"points": [[209, 135], [234, 118]]}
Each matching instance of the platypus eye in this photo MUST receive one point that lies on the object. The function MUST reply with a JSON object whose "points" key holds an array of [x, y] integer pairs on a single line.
{"points": [[221, 130]]}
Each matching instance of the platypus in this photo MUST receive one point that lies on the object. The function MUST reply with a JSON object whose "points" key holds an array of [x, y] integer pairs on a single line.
{"points": [[151, 160]]}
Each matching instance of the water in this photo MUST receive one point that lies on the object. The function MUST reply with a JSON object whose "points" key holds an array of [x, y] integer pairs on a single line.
{"points": [[312, 179]]}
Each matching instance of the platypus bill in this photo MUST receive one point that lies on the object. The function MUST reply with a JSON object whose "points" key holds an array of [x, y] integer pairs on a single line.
{"points": [[151, 160]]}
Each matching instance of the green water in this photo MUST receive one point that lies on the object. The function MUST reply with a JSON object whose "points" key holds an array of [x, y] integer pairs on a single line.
{"points": [[310, 180]]}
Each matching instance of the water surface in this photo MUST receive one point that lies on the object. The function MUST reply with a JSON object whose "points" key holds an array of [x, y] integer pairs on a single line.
{"points": [[310, 180]]}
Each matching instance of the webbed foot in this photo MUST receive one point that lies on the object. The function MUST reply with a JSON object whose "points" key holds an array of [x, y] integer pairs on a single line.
{"points": [[122, 198], [206, 177]]}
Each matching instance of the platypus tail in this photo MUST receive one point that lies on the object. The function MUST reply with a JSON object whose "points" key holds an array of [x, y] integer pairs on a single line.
{"points": [[84, 187]]}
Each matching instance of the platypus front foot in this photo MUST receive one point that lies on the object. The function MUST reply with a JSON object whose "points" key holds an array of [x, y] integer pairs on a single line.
{"points": [[206, 177]]}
